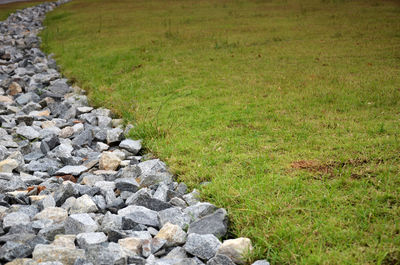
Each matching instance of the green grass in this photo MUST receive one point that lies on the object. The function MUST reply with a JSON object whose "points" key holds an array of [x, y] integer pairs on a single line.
{"points": [[290, 109], [7, 9]]}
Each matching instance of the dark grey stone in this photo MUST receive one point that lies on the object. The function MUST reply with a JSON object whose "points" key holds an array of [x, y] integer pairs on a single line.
{"points": [[49, 232], [106, 254], [215, 223], [13, 250], [127, 184], [85, 138], [80, 223], [65, 191], [49, 144], [140, 215], [202, 246], [174, 216], [220, 260], [44, 165], [147, 201]]}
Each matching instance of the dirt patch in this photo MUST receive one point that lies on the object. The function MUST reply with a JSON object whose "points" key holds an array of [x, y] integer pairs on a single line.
{"points": [[329, 168]]}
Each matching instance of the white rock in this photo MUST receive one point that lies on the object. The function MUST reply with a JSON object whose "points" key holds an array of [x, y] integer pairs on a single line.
{"points": [[86, 239], [8, 165], [83, 204], [56, 214], [173, 234], [131, 244], [236, 249], [109, 161]]}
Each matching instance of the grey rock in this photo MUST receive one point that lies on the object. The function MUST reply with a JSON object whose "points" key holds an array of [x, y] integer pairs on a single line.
{"points": [[87, 239], [127, 184], [106, 254], [161, 192], [65, 191], [40, 224], [147, 201], [91, 180], [27, 97], [51, 263], [80, 223], [200, 210], [45, 202], [102, 112], [131, 145], [87, 190], [49, 232], [33, 156], [177, 253], [100, 202], [71, 170], [101, 146], [30, 180], [153, 171], [140, 215], [27, 132], [165, 261], [182, 188], [174, 216], [220, 260], [59, 88], [105, 186], [62, 152], [16, 218], [202, 246], [115, 135], [44, 165], [192, 198], [29, 210], [49, 144], [111, 221], [81, 110], [90, 118], [131, 171], [83, 139], [178, 202], [30, 107], [13, 250], [68, 203], [215, 223], [104, 122]]}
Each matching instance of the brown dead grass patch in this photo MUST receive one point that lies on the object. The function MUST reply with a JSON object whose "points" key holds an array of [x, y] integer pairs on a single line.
{"points": [[329, 168]]}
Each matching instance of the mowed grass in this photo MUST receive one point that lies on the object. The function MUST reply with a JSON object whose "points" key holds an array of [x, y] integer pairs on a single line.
{"points": [[290, 108], [7, 9]]}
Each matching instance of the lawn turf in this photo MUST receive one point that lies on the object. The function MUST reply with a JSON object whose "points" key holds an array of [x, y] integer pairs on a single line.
{"points": [[290, 109]]}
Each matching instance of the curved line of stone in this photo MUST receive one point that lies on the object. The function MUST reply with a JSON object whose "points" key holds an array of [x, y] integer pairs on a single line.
{"points": [[73, 190]]}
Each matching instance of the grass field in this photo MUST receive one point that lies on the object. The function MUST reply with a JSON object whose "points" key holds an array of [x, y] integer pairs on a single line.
{"points": [[7, 9], [290, 108]]}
